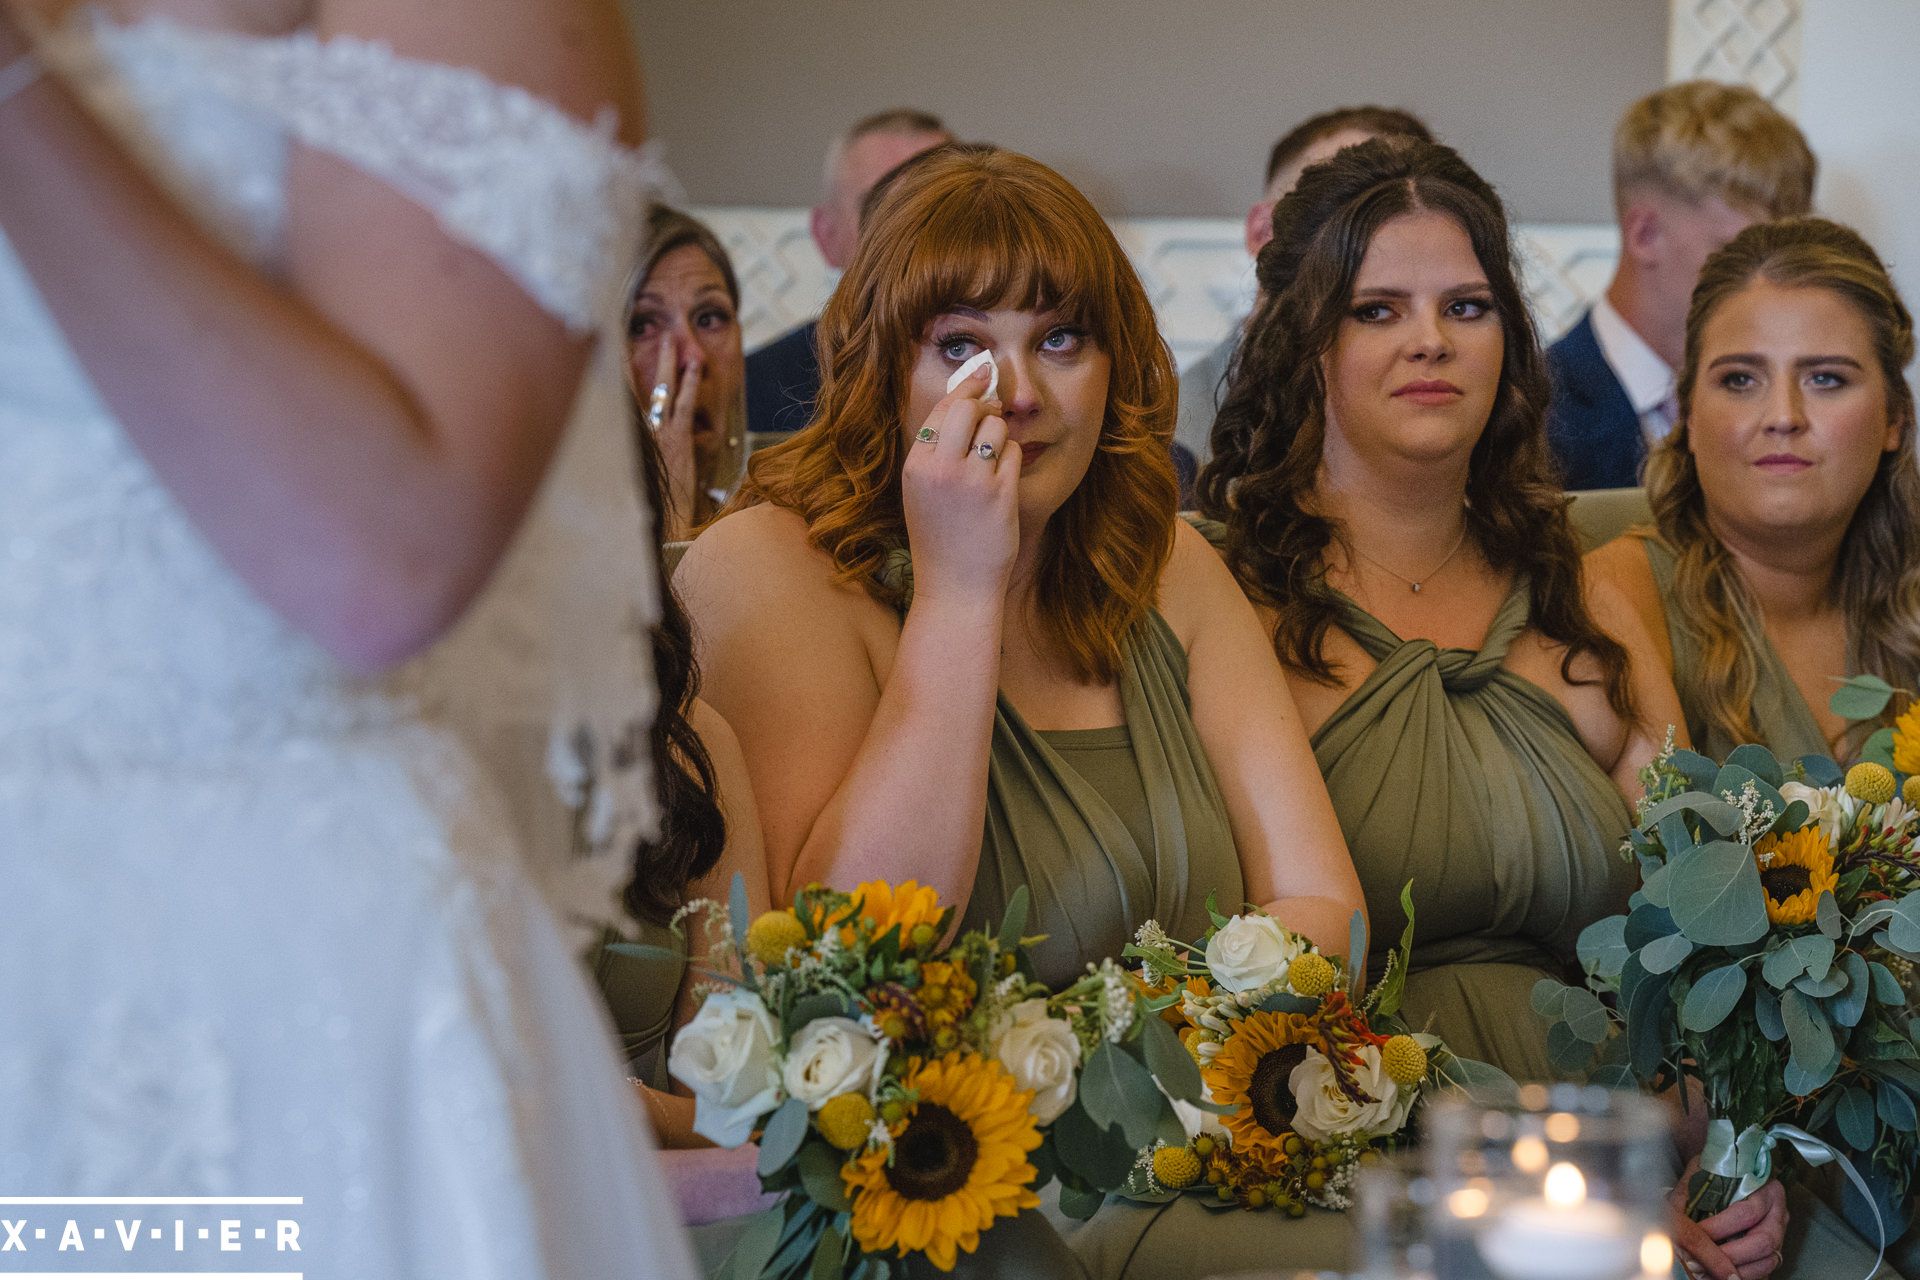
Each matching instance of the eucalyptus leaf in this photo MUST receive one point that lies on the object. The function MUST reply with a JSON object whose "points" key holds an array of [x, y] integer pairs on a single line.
{"points": [[1855, 1116], [1801, 1082], [1886, 988], [1699, 769], [1759, 761], [1568, 1053], [1709, 808], [821, 1004], [1717, 898], [1649, 1025], [1118, 1092], [1357, 939], [1878, 749], [1602, 948], [782, 1137], [1861, 698], [1549, 998], [1287, 1002], [1903, 929], [1615, 1075], [1766, 1015], [1851, 1005], [1821, 771], [1585, 1017], [1664, 955], [1658, 887], [1646, 923], [1733, 778], [1825, 988], [1808, 1033], [1485, 1082], [1793, 819], [830, 1258], [1080, 1204], [754, 1244], [1827, 914], [1169, 1060], [820, 1175], [1095, 1155], [1712, 997], [1895, 1107]]}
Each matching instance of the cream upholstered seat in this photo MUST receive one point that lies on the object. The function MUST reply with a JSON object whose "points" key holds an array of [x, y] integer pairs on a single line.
{"points": [[1601, 515]]}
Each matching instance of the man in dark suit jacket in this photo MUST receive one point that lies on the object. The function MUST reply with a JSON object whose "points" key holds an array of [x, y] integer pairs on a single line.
{"points": [[783, 377], [1693, 165]]}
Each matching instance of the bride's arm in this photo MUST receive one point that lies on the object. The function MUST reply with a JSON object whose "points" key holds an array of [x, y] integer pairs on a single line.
{"points": [[360, 442]]}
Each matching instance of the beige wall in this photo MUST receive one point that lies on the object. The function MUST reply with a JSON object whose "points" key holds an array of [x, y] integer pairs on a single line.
{"points": [[1154, 107]]}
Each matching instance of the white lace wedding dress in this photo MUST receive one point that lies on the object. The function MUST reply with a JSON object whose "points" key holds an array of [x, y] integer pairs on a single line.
{"points": [[267, 929]]}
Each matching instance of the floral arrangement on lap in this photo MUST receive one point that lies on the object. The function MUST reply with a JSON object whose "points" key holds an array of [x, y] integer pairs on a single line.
{"points": [[1766, 957], [1302, 1081], [907, 1095]]}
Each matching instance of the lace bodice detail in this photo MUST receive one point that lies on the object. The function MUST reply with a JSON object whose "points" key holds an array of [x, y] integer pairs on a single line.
{"points": [[123, 637]]}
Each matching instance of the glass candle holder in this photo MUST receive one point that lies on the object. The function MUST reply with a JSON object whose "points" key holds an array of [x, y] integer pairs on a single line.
{"points": [[1566, 1182]]}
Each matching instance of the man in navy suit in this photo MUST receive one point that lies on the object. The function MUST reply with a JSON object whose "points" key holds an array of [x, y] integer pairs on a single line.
{"points": [[783, 377], [1693, 165]]}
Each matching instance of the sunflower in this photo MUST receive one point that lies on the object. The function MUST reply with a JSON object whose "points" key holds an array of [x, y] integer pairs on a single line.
{"points": [[910, 905], [1250, 1074], [1794, 870], [1906, 740], [959, 1160]]}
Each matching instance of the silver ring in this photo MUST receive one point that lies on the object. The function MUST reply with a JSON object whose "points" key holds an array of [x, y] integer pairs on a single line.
{"points": [[927, 435], [657, 405], [986, 451]]}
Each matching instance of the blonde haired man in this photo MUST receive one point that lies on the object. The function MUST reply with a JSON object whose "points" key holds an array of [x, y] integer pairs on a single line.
{"points": [[1693, 165]]}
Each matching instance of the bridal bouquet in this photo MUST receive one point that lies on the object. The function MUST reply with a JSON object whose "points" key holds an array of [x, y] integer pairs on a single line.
{"points": [[906, 1094], [1301, 1080], [1765, 958]]}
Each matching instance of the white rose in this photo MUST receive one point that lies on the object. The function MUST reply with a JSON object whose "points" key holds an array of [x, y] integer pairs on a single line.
{"points": [[1251, 951], [725, 1055], [1042, 1054], [1831, 807], [829, 1057], [1324, 1111]]}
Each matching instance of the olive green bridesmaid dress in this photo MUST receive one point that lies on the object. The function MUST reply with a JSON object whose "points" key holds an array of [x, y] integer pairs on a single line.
{"points": [[1784, 721], [1450, 771]]}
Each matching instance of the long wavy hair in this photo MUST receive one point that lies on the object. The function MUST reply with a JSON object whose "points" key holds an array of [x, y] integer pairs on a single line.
{"points": [[1271, 428], [970, 225], [668, 229], [693, 831], [1877, 580]]}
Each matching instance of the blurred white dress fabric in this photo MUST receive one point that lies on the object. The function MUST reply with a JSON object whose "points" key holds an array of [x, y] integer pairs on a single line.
{"points": [[268, 928]]}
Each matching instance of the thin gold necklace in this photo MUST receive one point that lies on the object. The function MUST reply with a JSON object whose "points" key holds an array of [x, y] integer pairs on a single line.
{"points": [[1413, 584]]}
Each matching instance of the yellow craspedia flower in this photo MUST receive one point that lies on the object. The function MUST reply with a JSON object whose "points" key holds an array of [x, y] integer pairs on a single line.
{"points": [[1906, 740], [959, 1161], [1176, 1168], [773, 934], [845, 1120], [1312, 974], [1405, 1061], [1910, 791], [1870, 783], [1795, 869]]}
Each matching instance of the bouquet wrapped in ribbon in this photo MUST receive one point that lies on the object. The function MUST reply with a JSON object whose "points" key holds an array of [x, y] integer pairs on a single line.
{"points": [[1764, 958], [1301, 1079], [908, 1093]]}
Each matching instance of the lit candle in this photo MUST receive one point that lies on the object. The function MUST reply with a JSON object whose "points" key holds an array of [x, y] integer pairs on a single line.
{"points": [[1561, 1236]]}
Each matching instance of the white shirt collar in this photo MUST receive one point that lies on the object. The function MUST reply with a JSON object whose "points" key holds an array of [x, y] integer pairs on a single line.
{"points": [[1646, 378]]}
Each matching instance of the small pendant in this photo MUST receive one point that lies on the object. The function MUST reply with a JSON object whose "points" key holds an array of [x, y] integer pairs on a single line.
{"points": [[1415, 586]]}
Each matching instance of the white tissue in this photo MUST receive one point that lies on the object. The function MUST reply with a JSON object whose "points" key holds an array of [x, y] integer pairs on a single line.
{"points": [[965, 371]]}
